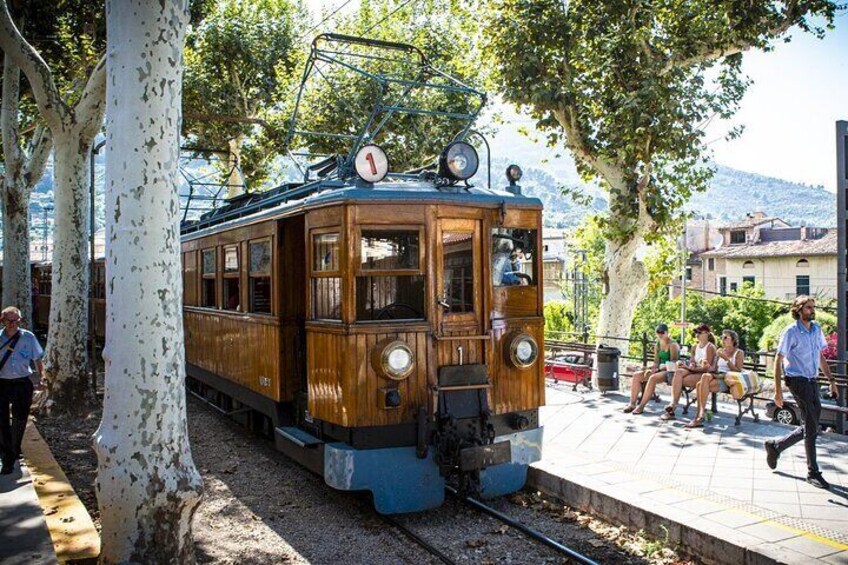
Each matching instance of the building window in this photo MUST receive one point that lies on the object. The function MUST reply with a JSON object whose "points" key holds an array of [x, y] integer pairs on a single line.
{"points": [[737, 236], [711, 264], [722, 285], [748, 281], [802, 264], [326, 278], [390, 283], [513, 257], [748, 265], [260, 277], [688, 272], [733, 287], [209, 290], [232, 295], [802, 284]]}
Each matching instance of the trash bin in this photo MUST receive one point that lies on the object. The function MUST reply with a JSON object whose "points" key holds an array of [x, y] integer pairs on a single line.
{"points": [[606, 368]]}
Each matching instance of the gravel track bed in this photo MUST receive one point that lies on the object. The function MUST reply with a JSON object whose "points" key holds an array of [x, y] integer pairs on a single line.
{"points": [[260, 507]]}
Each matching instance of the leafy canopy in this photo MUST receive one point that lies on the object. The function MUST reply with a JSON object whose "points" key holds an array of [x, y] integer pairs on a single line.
{"points": [[241, 59], [628, 85]]}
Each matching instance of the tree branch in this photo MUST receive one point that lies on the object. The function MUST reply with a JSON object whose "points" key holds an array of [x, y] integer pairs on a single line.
{"points": [[41, 144], [790, 18], [226, 119], [92, 105], [50, 105], [9, 114]]}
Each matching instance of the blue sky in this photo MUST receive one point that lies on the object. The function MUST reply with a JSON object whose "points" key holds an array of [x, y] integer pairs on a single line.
{"points": [[800, 89], [789, 112]]}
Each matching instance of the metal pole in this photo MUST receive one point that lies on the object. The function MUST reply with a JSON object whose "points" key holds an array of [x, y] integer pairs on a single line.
{"points": [[91, 283], [842, 255], [683, 255]]}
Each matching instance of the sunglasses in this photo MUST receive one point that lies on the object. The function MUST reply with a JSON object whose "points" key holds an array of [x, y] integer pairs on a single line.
{"points": [[11, 320], [660, 332]]}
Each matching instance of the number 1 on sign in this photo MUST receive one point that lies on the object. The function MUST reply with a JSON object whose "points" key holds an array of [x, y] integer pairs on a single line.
{"points": [[370, 159]]}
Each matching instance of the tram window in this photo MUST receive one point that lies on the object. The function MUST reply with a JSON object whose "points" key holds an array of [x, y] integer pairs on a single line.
{"points": [[325, 252], [327, 298], [389, 250], [232, 290], [209, 288], [326, 279], [390, 285], [513, 257], [99, 281], [260, 277], [458, 273]]}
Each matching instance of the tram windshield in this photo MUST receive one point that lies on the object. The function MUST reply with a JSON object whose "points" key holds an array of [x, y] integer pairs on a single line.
{"points": [[390, 284], [513, 257]]}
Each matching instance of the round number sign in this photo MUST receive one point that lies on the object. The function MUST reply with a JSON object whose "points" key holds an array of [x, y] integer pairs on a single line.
{"points": [[371, 163]]}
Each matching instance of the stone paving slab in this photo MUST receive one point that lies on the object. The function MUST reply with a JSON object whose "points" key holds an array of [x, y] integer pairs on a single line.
{"points": [[709, 489], [24, 538]]}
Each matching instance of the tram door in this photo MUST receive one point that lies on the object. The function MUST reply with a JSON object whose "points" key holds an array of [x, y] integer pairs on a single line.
{"points": [[459, 293]]}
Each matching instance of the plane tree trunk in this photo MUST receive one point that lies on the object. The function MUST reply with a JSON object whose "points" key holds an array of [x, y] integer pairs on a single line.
{"points": [[147, 485]]}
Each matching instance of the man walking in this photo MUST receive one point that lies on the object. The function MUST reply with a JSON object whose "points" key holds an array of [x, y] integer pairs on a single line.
{"points": [[19, 349], [799, 355]]}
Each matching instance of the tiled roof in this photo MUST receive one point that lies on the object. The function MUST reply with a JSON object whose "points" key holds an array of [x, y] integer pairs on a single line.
{"points": [[823, 246], [751, 222]]}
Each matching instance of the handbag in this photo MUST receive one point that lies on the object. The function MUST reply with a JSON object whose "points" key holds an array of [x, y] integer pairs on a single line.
{"points": [[742, 383]]}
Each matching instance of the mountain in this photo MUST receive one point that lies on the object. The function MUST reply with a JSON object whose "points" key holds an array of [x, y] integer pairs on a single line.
{"points": [[732, 193]]}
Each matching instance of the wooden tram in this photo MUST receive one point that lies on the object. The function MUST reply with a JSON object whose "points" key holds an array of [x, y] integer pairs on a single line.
{"points": [[387, 326]]}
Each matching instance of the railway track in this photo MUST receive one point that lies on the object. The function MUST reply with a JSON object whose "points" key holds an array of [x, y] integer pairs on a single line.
{"points": [[534, 535]]}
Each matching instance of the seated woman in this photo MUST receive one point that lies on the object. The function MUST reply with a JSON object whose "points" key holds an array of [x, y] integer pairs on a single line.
{"points": [[666, 354], [702, 361], [730, 358]]}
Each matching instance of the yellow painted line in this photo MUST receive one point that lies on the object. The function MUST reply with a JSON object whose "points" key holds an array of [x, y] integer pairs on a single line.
{"points": [[71, 529], [770, 522]]}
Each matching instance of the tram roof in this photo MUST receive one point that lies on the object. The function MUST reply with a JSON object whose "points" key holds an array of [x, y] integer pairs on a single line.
{"points": [[290, 200]]}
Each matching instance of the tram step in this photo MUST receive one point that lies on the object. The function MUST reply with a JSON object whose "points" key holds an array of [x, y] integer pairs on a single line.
{"points": [[298, 436]]}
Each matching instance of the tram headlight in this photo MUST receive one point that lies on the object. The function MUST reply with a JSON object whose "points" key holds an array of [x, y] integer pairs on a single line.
{"points": [[393, 359], [513, 174], [522, 350], [459, 161]]}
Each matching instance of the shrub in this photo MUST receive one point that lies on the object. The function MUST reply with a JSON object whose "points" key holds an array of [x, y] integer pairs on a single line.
{"points": [[772, 333]]}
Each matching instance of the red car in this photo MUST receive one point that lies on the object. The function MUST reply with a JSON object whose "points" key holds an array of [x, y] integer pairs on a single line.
{"points": [[570, 367]]}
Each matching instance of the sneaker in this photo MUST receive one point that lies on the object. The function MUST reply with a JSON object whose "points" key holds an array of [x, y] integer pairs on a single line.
{"points": [[772, 454], [817, 481]]}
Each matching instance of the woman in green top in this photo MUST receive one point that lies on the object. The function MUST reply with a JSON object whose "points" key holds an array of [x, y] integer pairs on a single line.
{"points": [[666, 353]]}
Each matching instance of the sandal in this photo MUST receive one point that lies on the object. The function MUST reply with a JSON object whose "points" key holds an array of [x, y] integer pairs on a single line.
{"points": [[629, 408], [638, 410], [668, 414], [696, 423]]}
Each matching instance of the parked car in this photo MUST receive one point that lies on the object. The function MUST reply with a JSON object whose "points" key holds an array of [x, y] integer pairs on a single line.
{"points": [[570, 367], [790, 413]]}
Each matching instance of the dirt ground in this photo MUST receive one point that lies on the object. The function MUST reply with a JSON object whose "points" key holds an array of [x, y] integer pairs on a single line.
{"points": [[259, 507]]}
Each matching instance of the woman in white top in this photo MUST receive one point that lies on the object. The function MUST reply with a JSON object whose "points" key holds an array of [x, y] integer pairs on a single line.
{"points": [[730, 358], [703, 361]]}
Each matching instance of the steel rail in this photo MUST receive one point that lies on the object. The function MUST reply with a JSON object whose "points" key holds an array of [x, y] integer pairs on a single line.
{"points": [[419, 540], [529, 532]]}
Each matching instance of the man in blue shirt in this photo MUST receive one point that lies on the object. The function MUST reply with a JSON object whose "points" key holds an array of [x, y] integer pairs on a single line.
{"points": [[19, 350], [799, 355]]}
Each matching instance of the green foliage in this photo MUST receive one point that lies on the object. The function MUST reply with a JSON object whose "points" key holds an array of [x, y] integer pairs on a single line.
{"points": [[339, 101], [744, 314], [627, 86], [241, 62], [771, 333], [559, 318]]}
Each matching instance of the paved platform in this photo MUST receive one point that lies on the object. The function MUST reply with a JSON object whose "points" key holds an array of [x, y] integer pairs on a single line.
{"points": [[707, 489], [42, 521]]}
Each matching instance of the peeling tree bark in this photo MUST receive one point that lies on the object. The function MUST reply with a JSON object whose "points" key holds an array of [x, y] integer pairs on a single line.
{"points": [[147, 485], [23, 170]]}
